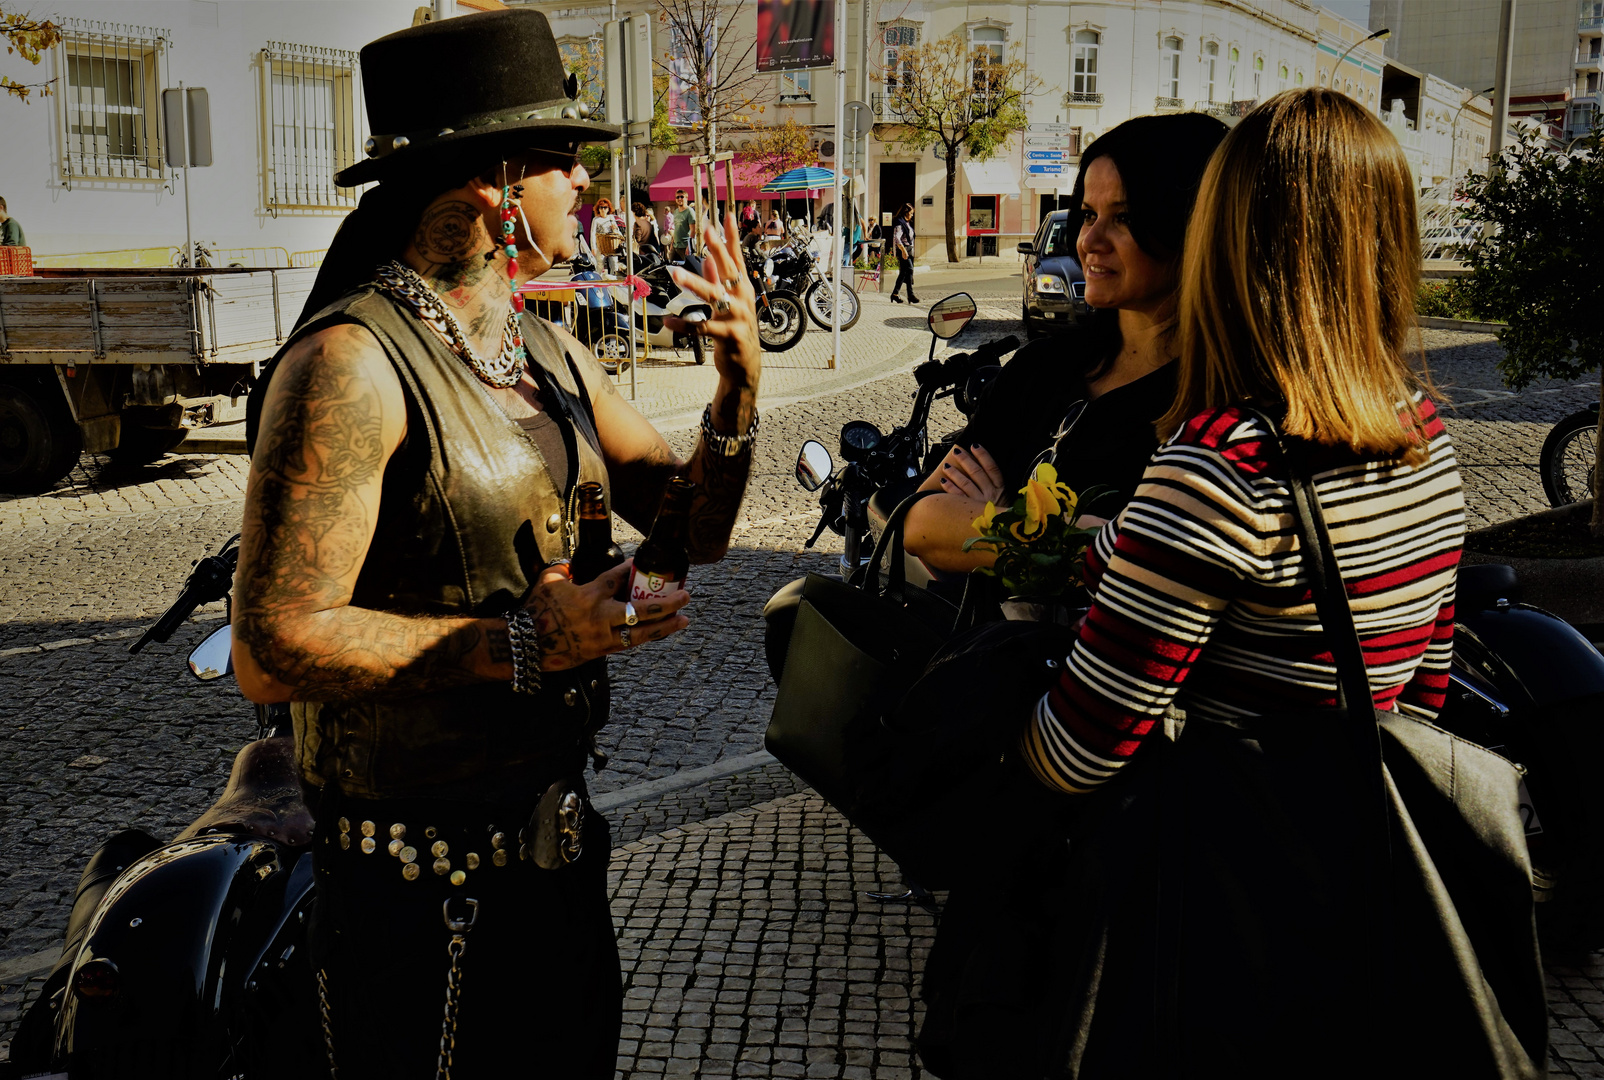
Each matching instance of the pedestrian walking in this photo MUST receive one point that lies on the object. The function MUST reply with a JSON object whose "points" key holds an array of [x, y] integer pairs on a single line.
{"points": [[403, 583], [605, 231], [11, 234], [644, 230], [684, 220], [902, 244]]}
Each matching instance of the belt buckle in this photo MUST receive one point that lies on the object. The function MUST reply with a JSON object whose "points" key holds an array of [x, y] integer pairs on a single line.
{"points": [[556, 829]]}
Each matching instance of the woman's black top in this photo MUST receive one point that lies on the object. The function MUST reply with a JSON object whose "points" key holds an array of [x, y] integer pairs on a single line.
{"points": [[1110, 440]]}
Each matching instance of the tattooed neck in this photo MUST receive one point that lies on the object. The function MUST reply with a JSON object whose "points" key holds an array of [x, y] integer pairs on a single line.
{"points": [[448, 249]]}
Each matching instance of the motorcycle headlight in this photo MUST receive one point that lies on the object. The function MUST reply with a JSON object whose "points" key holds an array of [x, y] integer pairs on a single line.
{"points": [[768, 268], [1046, 283]]}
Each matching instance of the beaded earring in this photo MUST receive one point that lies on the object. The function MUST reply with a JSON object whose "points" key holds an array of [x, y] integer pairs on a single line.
{"points": [[507, 228]]}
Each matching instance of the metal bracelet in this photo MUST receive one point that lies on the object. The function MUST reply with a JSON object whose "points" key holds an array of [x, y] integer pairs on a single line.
{"points": [[524, 641], [727, 445]]}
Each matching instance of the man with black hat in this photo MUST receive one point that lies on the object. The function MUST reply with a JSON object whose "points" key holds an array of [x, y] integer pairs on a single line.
{"points": [[402, 578]]}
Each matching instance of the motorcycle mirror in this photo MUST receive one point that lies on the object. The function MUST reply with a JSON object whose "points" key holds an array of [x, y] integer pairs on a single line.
{"points": [[214, 657], [813, 465], [948, 317]]}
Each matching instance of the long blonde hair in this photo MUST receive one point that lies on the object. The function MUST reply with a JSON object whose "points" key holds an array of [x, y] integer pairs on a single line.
{"points": [[1298, 281]]}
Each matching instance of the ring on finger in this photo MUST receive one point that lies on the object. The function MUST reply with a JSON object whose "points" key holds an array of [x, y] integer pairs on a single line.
{"points": [[722, 303], [623, 636], [630, 617]]}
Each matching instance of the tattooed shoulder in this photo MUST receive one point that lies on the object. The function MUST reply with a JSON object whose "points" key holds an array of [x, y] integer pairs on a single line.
{"points": [[336, 394]]}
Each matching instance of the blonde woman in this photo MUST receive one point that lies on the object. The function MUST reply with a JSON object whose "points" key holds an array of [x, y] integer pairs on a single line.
{"points": [[1297, 299]]}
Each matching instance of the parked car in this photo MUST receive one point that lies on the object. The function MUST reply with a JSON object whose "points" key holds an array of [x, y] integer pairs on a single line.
{"points": [[1055, 287]]}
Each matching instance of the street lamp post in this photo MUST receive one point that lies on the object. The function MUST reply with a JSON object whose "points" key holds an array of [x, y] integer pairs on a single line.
{"points": [[1379, 35], [1453, 128]]}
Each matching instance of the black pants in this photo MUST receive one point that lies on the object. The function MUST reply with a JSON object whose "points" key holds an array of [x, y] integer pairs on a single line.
{"points": [[540, 986], [904, 277]]}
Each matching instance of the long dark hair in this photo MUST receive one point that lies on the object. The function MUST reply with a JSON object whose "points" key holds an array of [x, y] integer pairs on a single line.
{"points": [[1161, 160], [378, 229]]}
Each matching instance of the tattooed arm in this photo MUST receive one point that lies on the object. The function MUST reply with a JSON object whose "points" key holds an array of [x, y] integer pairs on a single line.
{"points": [[334, 415], [640, 461]]}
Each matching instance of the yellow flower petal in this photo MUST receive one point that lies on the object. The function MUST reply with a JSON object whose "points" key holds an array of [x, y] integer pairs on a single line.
{"points": [[982, 524], [1046, 473]]}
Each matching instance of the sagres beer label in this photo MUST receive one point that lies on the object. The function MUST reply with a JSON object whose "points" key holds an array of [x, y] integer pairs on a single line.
{"points": [[649, 586]]}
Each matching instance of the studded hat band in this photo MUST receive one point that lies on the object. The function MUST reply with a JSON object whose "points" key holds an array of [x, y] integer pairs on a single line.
{"points": [[378, 146]]}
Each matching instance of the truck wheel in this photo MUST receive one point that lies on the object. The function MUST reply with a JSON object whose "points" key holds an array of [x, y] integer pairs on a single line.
{"points": [[39, 443], [143, 445]]}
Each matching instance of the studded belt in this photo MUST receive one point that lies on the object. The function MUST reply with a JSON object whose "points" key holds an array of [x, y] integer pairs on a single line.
{"points": [[552, 838]]}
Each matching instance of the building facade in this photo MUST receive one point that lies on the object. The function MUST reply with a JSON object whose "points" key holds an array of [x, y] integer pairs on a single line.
{"points": [[85, 170], [1558, 61]]}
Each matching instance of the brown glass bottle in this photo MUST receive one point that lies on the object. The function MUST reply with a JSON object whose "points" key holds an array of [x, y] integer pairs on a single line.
{"points": [[661, 562], [594, 550]]}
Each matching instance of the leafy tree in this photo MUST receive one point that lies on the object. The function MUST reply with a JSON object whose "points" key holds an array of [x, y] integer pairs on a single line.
{"points": [[30, 38], [716, 64], [946, 95], [1540, 266], [779, 148]]}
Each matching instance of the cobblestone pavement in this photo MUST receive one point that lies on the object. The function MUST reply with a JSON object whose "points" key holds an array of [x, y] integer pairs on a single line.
{"points": [[95, 740]]}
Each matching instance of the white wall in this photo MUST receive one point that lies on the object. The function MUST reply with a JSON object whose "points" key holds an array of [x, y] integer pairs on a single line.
{"points": [[212, 44]]}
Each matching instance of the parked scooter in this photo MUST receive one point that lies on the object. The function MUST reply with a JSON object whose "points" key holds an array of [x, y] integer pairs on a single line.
{"points": [[598, 321], [668, 299], [187, 958]]}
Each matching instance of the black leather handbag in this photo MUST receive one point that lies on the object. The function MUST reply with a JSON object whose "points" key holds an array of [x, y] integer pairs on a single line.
{"points": [[854, 651], [1341, 892]]}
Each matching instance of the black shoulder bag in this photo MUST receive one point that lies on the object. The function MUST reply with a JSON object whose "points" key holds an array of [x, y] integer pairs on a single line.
{"points": [[1344, 889]]}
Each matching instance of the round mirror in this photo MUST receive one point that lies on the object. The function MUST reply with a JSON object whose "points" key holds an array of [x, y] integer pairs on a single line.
{"points": [[948, 317], [813, 465], [214, 657]]}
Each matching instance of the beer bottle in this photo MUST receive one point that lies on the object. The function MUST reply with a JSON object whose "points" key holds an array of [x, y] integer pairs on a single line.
{"points": [[661, 562], [594, 551]]}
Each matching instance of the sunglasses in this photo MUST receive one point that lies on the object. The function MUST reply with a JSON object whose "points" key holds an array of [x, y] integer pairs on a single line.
{"points": [[566, 155]]}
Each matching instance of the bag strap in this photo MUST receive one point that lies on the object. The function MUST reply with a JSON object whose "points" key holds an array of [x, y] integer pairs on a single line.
{"points": [[891, 539]]}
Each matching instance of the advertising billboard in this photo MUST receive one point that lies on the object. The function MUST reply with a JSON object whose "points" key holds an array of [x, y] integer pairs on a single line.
{"points": [[795, 34]]}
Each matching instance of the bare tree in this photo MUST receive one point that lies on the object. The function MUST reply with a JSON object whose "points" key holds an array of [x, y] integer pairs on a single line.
{"points": [[945, 94], [31, 38], [714, 62]]}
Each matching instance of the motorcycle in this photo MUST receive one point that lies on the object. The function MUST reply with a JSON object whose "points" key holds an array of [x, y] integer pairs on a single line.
{"points": [[598, 322], [1569, 460], [796, 270], [186, 958], [886, 468], [780, 324]]}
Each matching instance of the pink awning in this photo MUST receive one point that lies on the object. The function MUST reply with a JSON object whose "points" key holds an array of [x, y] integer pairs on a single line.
{"points": [[676, 173]]}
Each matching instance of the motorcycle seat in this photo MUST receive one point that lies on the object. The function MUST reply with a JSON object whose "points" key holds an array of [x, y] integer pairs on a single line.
{"points": [[1480, 587], [263, 797]]}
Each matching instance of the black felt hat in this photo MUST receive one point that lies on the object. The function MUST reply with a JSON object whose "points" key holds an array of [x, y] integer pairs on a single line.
{"points": [[492, 81]]}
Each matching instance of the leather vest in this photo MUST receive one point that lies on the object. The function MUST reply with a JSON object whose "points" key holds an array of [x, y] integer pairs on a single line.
{"points": [[468, 516]]}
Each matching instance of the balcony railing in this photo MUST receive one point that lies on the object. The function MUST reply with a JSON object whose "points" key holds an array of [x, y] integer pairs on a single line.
{"points": [[1215, 108], [1591, 22], [1168, 103], [885, 109], [1072, 99]]}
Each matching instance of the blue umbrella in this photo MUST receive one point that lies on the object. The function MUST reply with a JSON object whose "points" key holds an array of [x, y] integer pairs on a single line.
{"points": [[803, 179]]}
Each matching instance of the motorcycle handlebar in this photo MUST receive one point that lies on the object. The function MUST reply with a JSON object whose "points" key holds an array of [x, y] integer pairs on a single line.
{"points": [[938, 374], [211, 580]]}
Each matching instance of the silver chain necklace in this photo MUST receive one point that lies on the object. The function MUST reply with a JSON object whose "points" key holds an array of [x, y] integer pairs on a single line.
{"points": [[505, 370]]}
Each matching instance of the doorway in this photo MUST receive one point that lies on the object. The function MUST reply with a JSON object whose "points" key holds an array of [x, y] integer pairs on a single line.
{"points": [[896, 186]]}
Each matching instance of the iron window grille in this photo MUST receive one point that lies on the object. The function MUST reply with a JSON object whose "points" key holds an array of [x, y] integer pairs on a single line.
{"points": [[110, 78], [312, 123]]}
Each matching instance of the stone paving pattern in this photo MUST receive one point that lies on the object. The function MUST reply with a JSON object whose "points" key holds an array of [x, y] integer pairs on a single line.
{"points": [[106, 552]]}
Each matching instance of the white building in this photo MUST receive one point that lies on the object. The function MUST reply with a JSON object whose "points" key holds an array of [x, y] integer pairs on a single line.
{"points": [[83, 170]]}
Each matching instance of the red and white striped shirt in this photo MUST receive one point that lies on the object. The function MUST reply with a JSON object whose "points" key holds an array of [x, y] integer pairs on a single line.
{"points": [[1201, 594]]}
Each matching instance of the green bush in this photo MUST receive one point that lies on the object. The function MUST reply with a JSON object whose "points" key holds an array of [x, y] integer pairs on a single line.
{"points": [[1446, 300]]}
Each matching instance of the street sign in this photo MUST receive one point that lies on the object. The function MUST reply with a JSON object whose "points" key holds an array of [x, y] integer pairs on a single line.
{"points": [[1046, 155], [187, 127], [627, 67]]}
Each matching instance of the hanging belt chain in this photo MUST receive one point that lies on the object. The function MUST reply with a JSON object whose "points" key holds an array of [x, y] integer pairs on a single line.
{"points": [[328, 1028], [459, 944]]}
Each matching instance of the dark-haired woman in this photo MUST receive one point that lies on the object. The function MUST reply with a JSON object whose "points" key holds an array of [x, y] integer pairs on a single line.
{"points": [[1087, 401]]}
